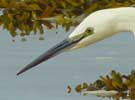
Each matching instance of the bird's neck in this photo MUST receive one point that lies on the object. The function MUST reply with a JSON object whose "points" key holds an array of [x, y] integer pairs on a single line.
{"points": [[124, 21]]}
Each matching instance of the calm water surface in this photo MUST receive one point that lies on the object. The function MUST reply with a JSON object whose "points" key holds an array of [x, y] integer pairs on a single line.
{"points": [[48, 81]]}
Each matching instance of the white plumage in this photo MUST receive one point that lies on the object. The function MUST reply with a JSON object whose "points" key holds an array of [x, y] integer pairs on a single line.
{"points": [[97, 26], [106, 23]]}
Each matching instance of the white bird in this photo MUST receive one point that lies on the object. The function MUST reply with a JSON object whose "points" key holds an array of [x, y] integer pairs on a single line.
{"points": [[97, 26]]}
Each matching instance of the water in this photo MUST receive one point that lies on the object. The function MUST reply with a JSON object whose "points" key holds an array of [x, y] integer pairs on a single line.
{"points": [[49, 80]]}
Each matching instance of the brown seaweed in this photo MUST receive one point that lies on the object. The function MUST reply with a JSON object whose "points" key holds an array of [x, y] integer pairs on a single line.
{"points": [[114, 86], [30, 16]]}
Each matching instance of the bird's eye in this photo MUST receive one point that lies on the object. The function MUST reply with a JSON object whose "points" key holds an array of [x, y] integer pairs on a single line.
{"points": [[89, 29]]}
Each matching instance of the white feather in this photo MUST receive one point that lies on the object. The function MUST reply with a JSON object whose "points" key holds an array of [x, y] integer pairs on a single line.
{"points": [[105, 23]]}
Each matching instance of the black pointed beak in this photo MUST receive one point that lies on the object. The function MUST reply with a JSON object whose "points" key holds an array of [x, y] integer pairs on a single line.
{"points": [[59, 48]]}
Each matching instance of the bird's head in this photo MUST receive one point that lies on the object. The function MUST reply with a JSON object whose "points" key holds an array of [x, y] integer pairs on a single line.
{"points": [[95, 27], [65, 45]]}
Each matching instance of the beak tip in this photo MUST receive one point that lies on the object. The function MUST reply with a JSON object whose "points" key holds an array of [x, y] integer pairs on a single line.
{"points": [[18, 74]]}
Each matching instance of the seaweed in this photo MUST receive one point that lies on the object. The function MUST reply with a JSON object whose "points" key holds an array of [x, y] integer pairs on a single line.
{"points": [[23, 17], [114, 86]]}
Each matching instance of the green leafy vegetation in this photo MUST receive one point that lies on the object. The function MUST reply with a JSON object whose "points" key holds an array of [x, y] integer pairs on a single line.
{"points": [[22, 17], [114, 86]]}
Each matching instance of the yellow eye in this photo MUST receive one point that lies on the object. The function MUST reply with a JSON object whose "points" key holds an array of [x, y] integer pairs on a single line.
{"points": [[89, 29]]}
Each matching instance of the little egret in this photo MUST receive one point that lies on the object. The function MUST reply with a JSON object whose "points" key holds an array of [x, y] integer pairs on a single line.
{"points": [[97, 26]]}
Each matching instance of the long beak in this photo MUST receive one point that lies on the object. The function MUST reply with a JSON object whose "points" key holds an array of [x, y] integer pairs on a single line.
{"points": [[59, 48]]}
